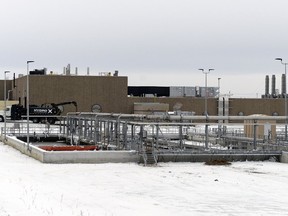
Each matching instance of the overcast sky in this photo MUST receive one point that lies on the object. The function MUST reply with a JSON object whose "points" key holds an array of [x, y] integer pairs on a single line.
{"points": [[153, 42]]}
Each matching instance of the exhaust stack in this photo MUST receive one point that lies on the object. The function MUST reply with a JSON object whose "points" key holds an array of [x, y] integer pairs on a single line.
{"points": [[267, 86], [283, 85], [273, 86]]}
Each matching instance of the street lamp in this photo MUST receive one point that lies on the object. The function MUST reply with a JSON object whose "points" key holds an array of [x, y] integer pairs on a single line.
{"points": [[219, 111], [206, 73], [285, 96], [5, 104], [27, 103], [206, 113], [219, 86]]}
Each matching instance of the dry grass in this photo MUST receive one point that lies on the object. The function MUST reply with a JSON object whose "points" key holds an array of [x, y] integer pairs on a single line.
{"points": [[218, 162]]}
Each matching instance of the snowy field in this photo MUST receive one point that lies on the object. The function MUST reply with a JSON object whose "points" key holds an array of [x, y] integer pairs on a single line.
{"points": [[30, 188]]}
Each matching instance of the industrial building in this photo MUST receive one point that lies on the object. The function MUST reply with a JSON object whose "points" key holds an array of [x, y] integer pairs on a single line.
{"points": [[151, 138], [111, 93]]}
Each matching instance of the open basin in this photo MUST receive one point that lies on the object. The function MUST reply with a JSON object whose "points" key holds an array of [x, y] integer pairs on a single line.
{"points": [[70, 148]]}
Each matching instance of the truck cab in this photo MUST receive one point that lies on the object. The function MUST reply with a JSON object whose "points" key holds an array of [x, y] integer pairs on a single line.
{"points": [[8, 114]]}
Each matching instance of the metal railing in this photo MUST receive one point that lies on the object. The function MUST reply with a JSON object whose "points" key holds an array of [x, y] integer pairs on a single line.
{"points": [[124, 131], [19, 129], [161, 133]]}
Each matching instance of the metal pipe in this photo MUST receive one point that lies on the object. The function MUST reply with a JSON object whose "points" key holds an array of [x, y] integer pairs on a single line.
{"points": [[206, 73], [285, 94], [285, 101], [117, 130], [124, 131], [5, 104], [255, 135], [27, 104], [178, 118], [96, 128]]}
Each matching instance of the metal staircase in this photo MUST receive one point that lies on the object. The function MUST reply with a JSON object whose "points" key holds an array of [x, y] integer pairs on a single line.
{"points": [[148, 156]]}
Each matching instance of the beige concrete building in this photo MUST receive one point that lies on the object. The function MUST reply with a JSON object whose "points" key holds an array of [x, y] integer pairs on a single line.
{"points": [[106, 93], [109, 94]]}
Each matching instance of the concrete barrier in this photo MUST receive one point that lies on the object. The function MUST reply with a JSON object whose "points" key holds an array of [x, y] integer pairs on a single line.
{"points": [[72, 156], [33, 151], [90, 157], [284, 157], [129, 156], [211, 157]]}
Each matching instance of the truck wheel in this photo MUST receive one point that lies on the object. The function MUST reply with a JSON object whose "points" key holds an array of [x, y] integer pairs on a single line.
{"points": [[51, 120], [1, 119], [35, 120]]}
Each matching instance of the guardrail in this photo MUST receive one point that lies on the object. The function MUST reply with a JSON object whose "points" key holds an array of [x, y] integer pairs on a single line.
{"points": [[132, 132]]}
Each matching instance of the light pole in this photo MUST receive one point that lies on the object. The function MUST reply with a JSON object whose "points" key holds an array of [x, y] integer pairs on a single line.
{"points": [[219, 107], [5, 104], [27, 103], [206, 73], [219, 87], [206, 113], [285, 95]]}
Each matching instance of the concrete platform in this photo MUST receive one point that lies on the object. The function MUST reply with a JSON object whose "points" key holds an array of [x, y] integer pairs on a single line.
{"points": [[112, 156], [72, 156]]}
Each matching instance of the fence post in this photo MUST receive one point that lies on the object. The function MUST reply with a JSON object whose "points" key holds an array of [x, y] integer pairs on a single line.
{"points": [[255, 135]]}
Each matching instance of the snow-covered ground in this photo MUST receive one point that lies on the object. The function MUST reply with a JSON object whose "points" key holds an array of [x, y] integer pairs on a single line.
{"points": [[30, 188]]}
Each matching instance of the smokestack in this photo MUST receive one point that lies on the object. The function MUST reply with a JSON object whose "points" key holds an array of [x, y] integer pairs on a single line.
{"points": [[14, 81], [267, 85], [273, 86], [68, 70], [283, 85]]}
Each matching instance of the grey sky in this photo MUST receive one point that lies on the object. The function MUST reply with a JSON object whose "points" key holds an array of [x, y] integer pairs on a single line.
{"points": [[153, 42]]}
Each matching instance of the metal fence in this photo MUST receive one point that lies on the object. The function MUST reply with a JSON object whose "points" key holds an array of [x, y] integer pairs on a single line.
{"points": [[120, 131], [158, 133], [19, 129]]}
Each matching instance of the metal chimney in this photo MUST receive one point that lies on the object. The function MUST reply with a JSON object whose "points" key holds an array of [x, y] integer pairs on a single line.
{"points": [[68, 69], [283, 84], [273, 86], [267, 85]]}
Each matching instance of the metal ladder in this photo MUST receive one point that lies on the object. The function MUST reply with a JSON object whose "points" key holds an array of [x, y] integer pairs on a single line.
{"points": [[149, 156]]}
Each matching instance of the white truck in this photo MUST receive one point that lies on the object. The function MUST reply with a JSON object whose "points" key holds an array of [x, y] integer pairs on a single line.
{"points": [[8, 113]]}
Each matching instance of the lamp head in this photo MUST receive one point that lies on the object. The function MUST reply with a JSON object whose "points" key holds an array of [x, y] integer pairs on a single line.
{"points": [[29, 62], [210, 69], [278, 59], [201, 69]]}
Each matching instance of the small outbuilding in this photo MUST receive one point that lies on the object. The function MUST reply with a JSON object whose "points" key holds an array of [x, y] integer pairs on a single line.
{"points": [[265, 129]]}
